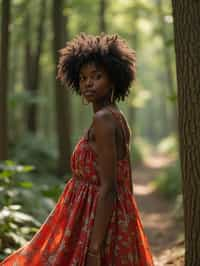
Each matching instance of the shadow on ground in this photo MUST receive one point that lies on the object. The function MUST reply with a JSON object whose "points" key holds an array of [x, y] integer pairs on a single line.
{"points": [[163, 230]]}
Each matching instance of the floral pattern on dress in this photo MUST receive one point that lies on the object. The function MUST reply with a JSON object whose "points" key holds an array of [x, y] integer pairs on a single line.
{"points": [[63, 238]]}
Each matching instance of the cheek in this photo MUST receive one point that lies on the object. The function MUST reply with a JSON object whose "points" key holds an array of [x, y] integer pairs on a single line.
{"points": [[103, 86]]}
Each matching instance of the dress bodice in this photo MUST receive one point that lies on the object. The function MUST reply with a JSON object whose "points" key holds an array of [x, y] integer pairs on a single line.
{"points": [[64, 237], [84, 165]]}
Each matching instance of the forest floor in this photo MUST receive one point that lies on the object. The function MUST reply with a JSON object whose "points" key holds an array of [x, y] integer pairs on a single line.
{"points": [[163, 230]]}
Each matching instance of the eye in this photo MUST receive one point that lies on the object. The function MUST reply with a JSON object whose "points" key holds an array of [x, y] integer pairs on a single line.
{"points": [[81, 78], [98, 75]]}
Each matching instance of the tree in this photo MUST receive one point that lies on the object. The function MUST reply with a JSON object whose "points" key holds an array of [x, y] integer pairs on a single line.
{"points": [[102, 11], [135, 15], [4, 50], [167, 56], [187, 40], [32, 65], [61, 94]]}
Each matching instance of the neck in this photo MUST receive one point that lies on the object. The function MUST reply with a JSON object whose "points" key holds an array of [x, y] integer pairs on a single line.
{"points": [[99, 106]]}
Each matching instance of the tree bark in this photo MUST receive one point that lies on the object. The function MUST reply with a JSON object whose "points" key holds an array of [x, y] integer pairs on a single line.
{"points": [[4, 52], [32, 66], [63, 111], [187, 40], [131, 107], [28, 54], [168, 64]]}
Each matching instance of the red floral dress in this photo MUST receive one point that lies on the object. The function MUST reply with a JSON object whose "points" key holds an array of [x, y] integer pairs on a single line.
{"points": [[63, 238]]}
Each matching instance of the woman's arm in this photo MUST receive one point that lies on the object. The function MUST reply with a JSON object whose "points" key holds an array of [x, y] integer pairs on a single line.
{"points": [[104, 130]]}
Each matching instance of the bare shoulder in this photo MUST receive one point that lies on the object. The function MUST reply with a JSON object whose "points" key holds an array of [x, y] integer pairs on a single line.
{"points": [[103, 121], [103, 115]]}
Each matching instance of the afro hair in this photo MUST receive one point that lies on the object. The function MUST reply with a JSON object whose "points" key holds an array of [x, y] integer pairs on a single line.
{"points": [[108, 51]]}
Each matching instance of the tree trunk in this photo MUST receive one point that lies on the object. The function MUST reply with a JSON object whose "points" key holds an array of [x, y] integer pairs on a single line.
{"points": [[131, 107], [102, 11], [187, 40], [168, 63], [63, 117], [28, 55], [32, 66], [4, 50], [164, 128]]}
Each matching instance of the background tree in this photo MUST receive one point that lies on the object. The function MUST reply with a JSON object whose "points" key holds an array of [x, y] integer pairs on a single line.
{"points": [[187, 39], [170, 90], [135, 9], [32, 64], [4, 50], [63, 111], [102, 12]]}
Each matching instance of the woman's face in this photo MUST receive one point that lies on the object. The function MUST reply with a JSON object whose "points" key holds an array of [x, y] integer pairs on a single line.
{"points": [[94, 83]]}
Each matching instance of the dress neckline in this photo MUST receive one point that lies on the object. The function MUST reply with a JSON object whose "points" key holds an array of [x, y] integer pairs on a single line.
{"points": [[119, 116], [85, 139]]}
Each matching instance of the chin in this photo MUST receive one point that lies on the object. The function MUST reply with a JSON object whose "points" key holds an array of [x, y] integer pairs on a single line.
{"points": [[90, 100]]}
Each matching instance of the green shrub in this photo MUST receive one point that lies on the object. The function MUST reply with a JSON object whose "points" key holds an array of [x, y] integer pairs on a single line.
{"points": [[21, 189], [140, 149], [136, 155], [13, 176], [37, 151], [16, 227], [168, 145], [169, 181]]}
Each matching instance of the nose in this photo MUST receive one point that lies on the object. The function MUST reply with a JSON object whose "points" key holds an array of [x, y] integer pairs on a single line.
{"points": [[88, 82]]}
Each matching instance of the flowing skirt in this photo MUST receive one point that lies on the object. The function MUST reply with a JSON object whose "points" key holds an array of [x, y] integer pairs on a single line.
{"points": [[63, 238]]}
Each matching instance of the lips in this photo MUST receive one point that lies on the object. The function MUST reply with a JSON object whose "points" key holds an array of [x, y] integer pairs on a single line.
{"points": [[89, 93]]}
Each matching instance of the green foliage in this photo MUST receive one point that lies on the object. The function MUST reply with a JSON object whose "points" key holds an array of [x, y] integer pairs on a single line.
{"points": [[35, 150], [53, 192], [40, 152], [141, 148], [168, 145], [16, 227], [26, 98], [136, 155], [21, 190], [12, 176], [169, 181], [172, 98]]}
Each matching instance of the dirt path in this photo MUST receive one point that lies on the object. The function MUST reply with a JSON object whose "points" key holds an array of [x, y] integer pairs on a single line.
{"points": [[161, 228]]}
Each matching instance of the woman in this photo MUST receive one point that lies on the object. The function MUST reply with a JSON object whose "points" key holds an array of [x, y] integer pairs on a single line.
{"points": [[96, 220]]}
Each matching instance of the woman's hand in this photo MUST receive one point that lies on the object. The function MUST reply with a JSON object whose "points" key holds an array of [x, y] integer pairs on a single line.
{"points": [[93, 259]]}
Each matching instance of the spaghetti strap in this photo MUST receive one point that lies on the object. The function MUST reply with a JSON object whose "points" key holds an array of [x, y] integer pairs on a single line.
{"points": [[118, 117], [121, 120]]}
